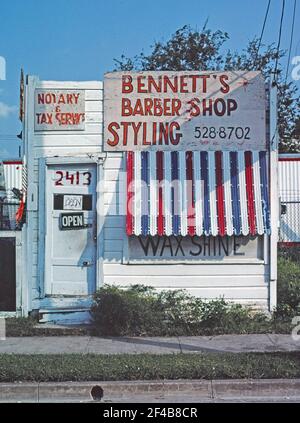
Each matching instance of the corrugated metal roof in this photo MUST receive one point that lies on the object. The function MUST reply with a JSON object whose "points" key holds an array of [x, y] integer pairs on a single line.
{"points": [[289, 177], [12, 175]]}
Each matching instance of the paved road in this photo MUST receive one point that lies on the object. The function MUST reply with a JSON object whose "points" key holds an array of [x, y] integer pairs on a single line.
{"points": [[183, 397], [159, 345]]}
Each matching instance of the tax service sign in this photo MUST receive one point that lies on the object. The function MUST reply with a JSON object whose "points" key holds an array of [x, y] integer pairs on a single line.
{"points": [[184, 111], [59, 110]]}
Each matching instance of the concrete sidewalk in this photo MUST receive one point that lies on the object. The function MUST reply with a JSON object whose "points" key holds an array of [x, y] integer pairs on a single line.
{"points": [[158, 345]]}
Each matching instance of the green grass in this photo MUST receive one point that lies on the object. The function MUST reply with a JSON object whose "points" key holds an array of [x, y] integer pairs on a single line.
{"points": [[77, 367]]}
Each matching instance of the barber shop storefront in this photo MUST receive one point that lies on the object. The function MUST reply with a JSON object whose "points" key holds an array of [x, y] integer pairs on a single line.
{"points": [[166, 179]]}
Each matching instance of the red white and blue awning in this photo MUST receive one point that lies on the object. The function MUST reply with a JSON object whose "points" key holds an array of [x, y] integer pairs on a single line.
{"points": [[197, 193]]}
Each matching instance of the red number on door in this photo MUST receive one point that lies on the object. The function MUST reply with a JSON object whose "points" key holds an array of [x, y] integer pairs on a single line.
{"points": [[87, 178], [70, 177], [61, 176]]}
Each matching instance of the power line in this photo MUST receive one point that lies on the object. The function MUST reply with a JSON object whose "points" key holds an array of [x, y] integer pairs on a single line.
{"points": [[291, 42], [279, 43], [262, 32]]}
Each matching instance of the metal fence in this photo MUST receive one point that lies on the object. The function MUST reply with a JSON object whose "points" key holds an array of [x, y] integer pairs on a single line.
{"points": [[11, 174], [290, 217], [8, 211], [289, 186]]}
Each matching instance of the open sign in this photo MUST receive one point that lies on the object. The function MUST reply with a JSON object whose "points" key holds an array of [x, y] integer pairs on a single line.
{"points": [[71, 221]]}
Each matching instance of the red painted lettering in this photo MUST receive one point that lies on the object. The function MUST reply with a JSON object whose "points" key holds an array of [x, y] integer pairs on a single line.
{"points": [[225, 87], [112, 128], [127, 86]]}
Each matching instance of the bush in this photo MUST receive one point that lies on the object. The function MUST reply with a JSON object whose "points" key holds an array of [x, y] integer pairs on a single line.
{"points": [[288, 289], [118, 312], [140, 310], [289, 253]]}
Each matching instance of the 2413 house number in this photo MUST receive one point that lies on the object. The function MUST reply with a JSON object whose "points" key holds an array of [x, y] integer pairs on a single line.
{"points": [[63, 178]]}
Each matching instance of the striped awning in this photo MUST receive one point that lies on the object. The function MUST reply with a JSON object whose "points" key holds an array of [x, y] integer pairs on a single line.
{"points": [[197, 193]]}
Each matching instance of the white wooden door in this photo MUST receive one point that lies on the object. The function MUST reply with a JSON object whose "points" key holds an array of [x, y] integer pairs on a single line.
{"points": [[70, 244]]}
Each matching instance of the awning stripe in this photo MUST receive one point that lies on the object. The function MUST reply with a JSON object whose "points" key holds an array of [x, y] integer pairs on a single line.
{"points": [[130, 195], [235, 193], [175, 194], [250, 194], [204, 176], [227, 193], [197, 193], [145, 194], [137, 194], [257, 193], [167, 194], [183, 193], [220, 193], [153, 194], [243, 194], [212, 193], [160, 177], [265, 190], [190, 194]]}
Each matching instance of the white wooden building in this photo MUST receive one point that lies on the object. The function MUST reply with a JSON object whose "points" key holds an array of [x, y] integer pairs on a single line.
{"points": [[70, 174]]}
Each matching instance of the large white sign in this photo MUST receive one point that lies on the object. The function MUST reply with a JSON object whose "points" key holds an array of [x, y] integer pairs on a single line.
{"points": [[174, 248], [59, 110], [184, 111]]}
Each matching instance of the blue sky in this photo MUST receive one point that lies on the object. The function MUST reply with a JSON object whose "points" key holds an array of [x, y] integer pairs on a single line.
{"points": [[78, 40]]}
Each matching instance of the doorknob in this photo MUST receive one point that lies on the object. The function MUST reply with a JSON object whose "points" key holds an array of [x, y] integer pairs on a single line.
{"points": [[87, 263]]}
